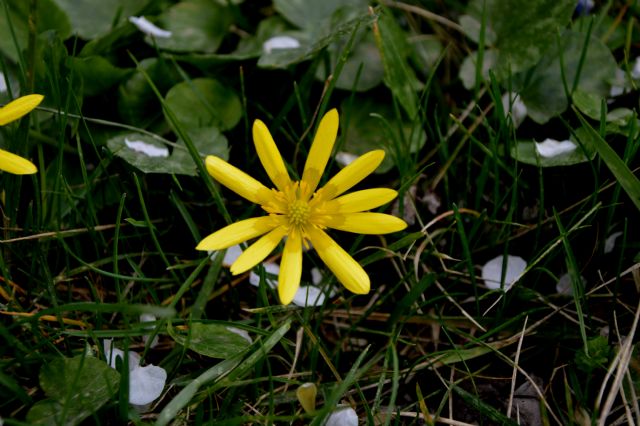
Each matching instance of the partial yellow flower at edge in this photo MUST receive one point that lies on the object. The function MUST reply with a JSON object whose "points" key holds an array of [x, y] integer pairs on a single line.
{"points": [[15, 109], [18, 108], [301, 213]]}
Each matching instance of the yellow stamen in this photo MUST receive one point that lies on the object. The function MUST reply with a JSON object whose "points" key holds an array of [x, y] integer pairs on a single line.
{"points": [[298, 212]]}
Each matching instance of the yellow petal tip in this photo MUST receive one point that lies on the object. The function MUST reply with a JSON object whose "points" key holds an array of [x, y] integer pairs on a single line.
{"points": [[286, 292], [18, 108], [15, 164]]}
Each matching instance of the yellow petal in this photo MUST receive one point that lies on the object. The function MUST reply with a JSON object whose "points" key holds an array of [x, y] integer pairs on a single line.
{"points": [[290, 268], [344, 267], [360, 201], [346, 178], [258, 251], [364, 223], [270, 156], [237, 180], [237, 233], [19, 107], [15, 164], [320, 150]]}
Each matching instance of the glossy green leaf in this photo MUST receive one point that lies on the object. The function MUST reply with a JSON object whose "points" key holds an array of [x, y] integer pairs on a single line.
{"points": [[467, 72], [623, 121], [525, 152], [49, 17], [142, 151], [45, 412], [137, 104], [212, 340], [427, 50], [308, 14], [248, 47], [97, 74], [363, 68], [525, 30], [204, 102], [620, 116], [588, 103], [545, 95], [150, 155], [282, 58], [604, 27], [472, 26], [398, 75], [91, 19], [76, 388], [517, 33], [195, 25]]}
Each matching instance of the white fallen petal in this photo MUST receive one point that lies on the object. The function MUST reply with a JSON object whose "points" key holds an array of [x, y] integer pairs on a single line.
{"points": [[492, 271], [308, 295], [511, 102], [616, 91], [432, 201], [149, 28], [279, 43], [619, 84], [147, 148], [146, 384], [231, 255], [3, 83], [584, 7], [610, 242], [345, 158], [635, 71], [407, 202], [242, 333], [112, 353], [316, 276], [147, 318], [270, 269], [342, 416], [564, 286], [552, 148]]}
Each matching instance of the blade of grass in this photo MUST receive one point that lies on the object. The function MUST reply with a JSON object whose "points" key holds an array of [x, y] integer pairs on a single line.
{"points": [[332, 400], [627, 180], [576, 281], [210, 280], [483, 408], [230, 368], [467, 254], [125, 308]]}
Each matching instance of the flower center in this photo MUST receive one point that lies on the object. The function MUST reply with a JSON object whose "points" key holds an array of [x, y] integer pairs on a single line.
{"points": [[298, 212]]}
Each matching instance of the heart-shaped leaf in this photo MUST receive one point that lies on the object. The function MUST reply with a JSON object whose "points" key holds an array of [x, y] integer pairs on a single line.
{"points": [[212, 340], [204, 102], [150, 155]]}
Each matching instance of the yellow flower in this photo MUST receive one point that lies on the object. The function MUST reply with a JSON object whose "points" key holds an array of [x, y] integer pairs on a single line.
{"points": [[299, 212], [15, 109]]}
